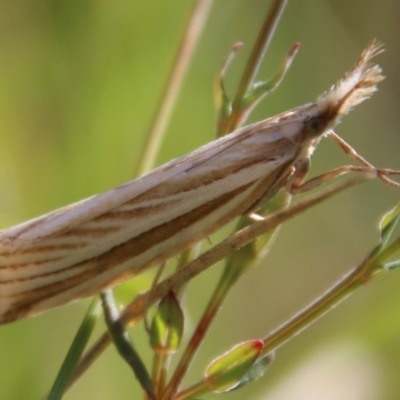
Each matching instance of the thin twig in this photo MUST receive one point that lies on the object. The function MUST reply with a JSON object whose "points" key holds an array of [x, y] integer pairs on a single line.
{"points": [[168, 98], [256, 57], [359, 276]]}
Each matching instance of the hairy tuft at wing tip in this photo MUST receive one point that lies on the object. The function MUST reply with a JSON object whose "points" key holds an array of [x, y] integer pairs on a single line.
{"points": [[357, 85]]}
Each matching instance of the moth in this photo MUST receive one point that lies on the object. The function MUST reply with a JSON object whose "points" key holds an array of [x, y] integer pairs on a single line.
{"points": [[99, 242]]}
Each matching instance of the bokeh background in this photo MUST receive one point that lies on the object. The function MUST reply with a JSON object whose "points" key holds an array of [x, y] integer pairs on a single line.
{"points": [[79, 82]]}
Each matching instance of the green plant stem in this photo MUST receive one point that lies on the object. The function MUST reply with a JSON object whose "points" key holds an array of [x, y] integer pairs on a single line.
{"points": [[160, 120], [194, 392], [253, 64], [184, 258], [65, 376], [159, 373], [356, 278]]}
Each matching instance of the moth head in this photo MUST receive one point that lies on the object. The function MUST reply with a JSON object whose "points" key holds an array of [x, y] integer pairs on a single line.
{"points": [[316, 126], [357, 85]]}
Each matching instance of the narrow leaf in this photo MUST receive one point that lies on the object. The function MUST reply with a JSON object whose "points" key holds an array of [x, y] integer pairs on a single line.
{"points": [[388, 223], [75, 351], [223, 103], [262, 89]]}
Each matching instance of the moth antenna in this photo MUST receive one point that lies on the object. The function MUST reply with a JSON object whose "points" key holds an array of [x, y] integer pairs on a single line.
{"points": [[357, 85]]}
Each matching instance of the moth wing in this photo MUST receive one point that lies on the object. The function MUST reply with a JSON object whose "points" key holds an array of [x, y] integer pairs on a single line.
{"points": [[33, 232]]}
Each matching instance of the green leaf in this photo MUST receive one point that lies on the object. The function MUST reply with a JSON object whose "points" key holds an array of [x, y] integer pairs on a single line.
{"points": [[75, 351], [227, 371], [167, 325]]}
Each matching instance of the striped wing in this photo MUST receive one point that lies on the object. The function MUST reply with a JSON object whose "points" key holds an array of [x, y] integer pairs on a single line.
{"points": [[96, 243]]}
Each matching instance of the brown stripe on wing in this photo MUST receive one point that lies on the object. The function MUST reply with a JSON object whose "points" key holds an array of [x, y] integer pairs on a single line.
{"points": [[27, 303], [84, 232], [39, 249], [192, 182]]}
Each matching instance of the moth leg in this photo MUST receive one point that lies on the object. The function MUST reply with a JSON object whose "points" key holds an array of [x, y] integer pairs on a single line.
{"points": [[298, 186], [382, 173], [296, 180], [269, 192]]}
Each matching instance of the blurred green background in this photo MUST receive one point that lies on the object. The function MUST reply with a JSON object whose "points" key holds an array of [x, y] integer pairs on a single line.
{"points": [[79, 81]]}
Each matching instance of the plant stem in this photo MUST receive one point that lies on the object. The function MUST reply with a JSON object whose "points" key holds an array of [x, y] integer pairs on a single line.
{"points": [[346, 286], [160, 120], [256, 57]]}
